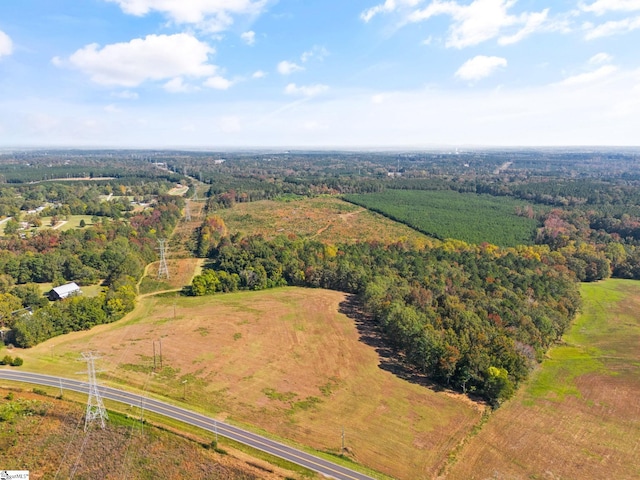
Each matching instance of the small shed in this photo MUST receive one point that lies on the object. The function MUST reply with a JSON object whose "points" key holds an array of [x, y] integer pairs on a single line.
{"points": [[64, 291]]}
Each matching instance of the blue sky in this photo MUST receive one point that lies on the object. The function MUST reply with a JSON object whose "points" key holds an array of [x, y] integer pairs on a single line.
{"points": [[310, 73]]}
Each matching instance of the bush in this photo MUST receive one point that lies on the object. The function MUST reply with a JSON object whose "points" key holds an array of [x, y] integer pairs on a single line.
{"points": [[6, 360], [17, 362]]}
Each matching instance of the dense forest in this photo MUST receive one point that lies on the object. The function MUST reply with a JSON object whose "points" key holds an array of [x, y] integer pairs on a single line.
{"points": [[474, 310]]}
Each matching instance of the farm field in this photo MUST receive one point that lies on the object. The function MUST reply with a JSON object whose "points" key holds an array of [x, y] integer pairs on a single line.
{"points": [[328, 219], [447, 214], [579, 415], [288, 361]]}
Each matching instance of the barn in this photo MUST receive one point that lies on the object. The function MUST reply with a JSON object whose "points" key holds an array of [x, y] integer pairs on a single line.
{"points": [[64, 291]]}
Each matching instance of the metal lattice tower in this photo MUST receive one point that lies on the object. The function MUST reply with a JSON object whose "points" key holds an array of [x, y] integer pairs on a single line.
{"points": [[163, 270], [187, 212], [95, 407]]}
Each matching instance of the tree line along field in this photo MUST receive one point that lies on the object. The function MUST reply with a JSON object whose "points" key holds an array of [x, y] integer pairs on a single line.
{"points": [[579, 415], [447, 214], [291, 362]]}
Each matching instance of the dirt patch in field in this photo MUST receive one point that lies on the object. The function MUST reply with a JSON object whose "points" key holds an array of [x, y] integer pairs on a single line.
{"points": [[288, 362]]}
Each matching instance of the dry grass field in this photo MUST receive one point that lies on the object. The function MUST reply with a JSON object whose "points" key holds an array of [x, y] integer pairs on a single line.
{"points": [[579, 416], [45, 436], [327, 219], [287, 361]]}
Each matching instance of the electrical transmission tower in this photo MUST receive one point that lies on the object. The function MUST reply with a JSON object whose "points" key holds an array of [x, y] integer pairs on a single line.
{"points": [[187, 212], [95, 407], [163, 270]]}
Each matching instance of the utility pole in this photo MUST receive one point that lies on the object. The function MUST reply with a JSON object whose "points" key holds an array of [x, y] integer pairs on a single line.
{"points": [[342, 450], [95, 407], [154, 356], [160, 342]]}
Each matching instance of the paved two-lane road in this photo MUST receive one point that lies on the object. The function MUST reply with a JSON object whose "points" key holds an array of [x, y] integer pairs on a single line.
{"points": [[258, 442]]}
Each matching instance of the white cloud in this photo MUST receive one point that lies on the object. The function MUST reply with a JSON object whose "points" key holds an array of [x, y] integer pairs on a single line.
{"points": [[387, 7], [481, 20], [6, 45], [589, 77], [305, 90], [600, 58], [217, 82], [317, 52], [249, 37], [614, 27], [287, 68], [472, 23], [210, 15], [177, 85], [126, 95], [377, 99], [259, 74], [600, 7], [480, 67], [533, 22], [156, 57]]}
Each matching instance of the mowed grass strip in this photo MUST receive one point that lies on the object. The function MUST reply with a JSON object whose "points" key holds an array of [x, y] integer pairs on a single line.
{"points": [[327, 219], [446, 214], [579, 415], [284, 361]]}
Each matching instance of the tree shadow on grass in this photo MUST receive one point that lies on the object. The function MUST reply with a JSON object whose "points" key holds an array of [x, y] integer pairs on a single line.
{"points": [[390, 359]]}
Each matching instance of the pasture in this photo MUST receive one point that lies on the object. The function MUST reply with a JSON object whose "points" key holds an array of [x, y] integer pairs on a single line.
{"points": [[447, 214], [289, 362], [579, 415], [324, 218]]}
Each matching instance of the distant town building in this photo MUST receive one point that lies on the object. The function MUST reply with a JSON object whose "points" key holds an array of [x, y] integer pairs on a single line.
{"points": [[64, 291]]}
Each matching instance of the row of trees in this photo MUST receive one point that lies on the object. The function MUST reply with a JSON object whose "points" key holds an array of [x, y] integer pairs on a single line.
{"points": [[471, 317]]}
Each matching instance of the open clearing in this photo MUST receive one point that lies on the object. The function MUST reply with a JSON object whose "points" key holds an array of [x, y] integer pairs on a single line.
{"points": [[327, 219], [287, 361], [579, 415]]}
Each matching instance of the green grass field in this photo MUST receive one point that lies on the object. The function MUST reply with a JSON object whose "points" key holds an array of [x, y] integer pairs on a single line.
{"points": [[446, 214], [579, 415]]}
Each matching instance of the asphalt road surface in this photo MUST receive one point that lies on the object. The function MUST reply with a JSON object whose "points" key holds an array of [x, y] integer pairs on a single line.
{"points": [[324, 467]]}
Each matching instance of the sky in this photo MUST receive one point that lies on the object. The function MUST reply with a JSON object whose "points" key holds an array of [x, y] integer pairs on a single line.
{"points": [[319, 73]]}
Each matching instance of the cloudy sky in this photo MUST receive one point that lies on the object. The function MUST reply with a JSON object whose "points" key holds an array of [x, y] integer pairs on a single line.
{"points": [[319, 73]]}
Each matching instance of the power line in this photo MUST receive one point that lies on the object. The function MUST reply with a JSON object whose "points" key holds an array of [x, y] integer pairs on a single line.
{"points": [[95, 407], [163, 270]]}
